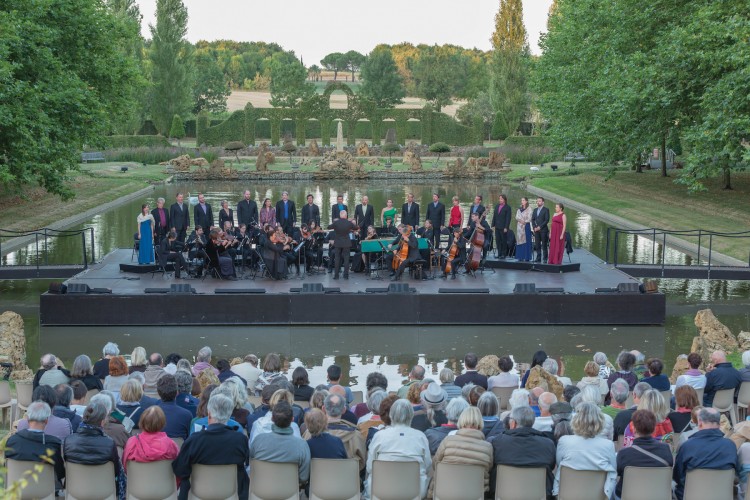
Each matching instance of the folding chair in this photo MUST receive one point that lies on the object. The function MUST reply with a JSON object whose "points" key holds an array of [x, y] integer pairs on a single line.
{"points": [[654, 483], [84, 482], [459, 482], [213, 482], [724, 402], [334, 479], [395, 480], [280, 481], [151, 481], [520, 483], [708, 483], [581, 484]]}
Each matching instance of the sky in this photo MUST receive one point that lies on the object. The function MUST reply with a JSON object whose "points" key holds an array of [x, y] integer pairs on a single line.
{"points": [[313, 28]]}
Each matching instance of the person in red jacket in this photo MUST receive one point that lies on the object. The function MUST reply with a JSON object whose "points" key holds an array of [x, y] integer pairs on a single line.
{"points": [[152, 444]]}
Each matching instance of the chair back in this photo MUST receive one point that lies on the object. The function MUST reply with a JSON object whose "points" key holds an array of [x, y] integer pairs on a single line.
{"points": [[44, 486], [23, 394], [700, 395], [654, 483], [667, 395], [503, 395], [274, 481], [581, 484], [520, 483], [178, 442], [459, 482], [5, 398], [213, 482], [707, 483], [358, 397], [332, 479], [395, 480], [151, 481], [90, 482], [743, 398], [724, 402]]}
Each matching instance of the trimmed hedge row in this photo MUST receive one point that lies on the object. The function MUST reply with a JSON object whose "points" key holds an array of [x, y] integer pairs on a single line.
{"points": [[535, 141], [136, 141]]}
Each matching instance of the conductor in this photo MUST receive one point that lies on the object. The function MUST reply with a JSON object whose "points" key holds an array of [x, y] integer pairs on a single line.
{"points": [[342, 243]]}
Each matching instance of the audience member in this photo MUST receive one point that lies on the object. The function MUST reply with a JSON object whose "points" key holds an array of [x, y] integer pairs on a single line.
{"points": [[592, 378], [590, 394], [562, 414], [348, 415], [534, 399], [132, 401], [375, 381], [249, 371], [33, 444], [101, 367], [471, 375], [622, 420], [49, 373], [543, 423], [653, 401], [433, 401], [112, 425], [64, 394], [625, 361], [264, 424], [706, 449], [551, 366], [656, 379], [604, 366], [78, 404], [685, 435], [694, 377], [415, 375], [301, 382], [322, 444], [639, 366], [334, 407], [745, 372], [83, 371], [218, 444], [178, 419], [200, 422], [334, 377], [271, 372], [225, 371], [618, 396], [203, 361], [570, 392], [385, 417], [685, 399], [238, 393], [721, 375], [453, 412], [372, 419], [505, 378], [447, 379], [154, 372], [56, 426], [118, 375], [184, 386], [489, 407], [152, 444], [138, 360], [536, 360], [398, 441]]}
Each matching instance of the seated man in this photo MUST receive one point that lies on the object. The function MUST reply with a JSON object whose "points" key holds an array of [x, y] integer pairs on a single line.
{"points": [[706, 449], [459, 259], [178, 419], [334, 407], [722, 376], [32, 444], [168, 252], [407, 237], [281, 445], [217, 445], [469, 231]]}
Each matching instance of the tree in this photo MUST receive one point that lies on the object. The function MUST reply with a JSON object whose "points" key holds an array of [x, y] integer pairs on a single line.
{"points": [[381, 82], [314, 72], [439, 148], [171, 61], [177, 130], [63, 79], [353, 61], [335, 61], [288, 147], [289, 82], [509, 67], [210, 88], [478, 109], [437, 77]]}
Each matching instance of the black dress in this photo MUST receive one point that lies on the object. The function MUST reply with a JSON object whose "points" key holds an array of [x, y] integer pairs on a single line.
{"points": [[303, 392]]}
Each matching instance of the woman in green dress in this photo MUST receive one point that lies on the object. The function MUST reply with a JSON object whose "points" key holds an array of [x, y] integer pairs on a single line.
{"points": [[388, 212]]}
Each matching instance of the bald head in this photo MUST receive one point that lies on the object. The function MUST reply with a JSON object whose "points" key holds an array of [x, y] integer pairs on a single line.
{"points": [[718, 357], [342, 214], [546, 399], [338, 390], [534, 395]]}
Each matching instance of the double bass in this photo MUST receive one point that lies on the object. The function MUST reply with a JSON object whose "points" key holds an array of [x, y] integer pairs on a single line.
{"points": [[453, 252], [402, 253], [477, 246]]}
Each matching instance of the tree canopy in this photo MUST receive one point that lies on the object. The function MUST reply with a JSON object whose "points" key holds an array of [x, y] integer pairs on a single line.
{"points": [[381, 82], [289, 82]]}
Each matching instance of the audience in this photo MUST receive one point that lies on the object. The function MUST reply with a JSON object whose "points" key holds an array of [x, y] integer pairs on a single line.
{"points": [[453, 412], [604, 367], [721, 375], [62, 409], [49, 373], [271, 372], [111, 426], [101, 367], [178, 419], [200, 422], [78, 404], [685, 399], [264, 424], [471, 375], [416, 375], [154, 371], [656, 379], [551, 366], [83, 371], [372, 419], [152, 444], [592, 378], [56, 426], [132, 401], [489, 407], [334, 407], [694, 377], [33, 444], [543, 423], [138, 360], [622, 420], [118, 374], [225, 371], [625, 361], [639, 367], [248, 370], [203, 361], [505, 378], [375, 381], [447, 379], [334, 377], [184, 386], [433, 401], [618, 396], [301, 383], [385, 417]]}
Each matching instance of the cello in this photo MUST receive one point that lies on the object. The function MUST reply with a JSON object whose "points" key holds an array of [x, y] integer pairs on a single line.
{"points": [[453, 253], [402, 253], [477, 246]]}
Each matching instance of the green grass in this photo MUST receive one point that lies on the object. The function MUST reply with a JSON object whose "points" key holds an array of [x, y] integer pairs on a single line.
{"points": [[655, 201], [522, 172]]}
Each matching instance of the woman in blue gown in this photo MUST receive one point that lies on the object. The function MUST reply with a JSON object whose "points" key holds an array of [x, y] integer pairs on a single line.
{"points": [[523, 231], [145, 236]]}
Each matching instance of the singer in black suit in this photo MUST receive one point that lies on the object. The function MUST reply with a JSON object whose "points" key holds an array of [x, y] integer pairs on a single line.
{"points": [[364, 214], [337, 207], [225, 214], [410, 212], [501, 224], [247, 211], [540, 228], [286, 213], [436, 215], [161, 221], [179, 216], [203, 216], [310, 212], [342, 243], [477, 207]]}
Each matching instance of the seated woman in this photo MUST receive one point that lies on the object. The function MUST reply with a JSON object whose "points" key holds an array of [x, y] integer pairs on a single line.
{"points": [[221, 262], [653, 401], [152, 444], [90, 446], [200, 422]]}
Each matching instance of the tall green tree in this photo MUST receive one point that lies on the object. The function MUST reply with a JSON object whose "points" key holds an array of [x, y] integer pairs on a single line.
{"points": [[210, 87], [63, 78], [289, 82], [509, 69], [335, 61], [437, 76], [354, 61], [172, 64], [381, 82]]}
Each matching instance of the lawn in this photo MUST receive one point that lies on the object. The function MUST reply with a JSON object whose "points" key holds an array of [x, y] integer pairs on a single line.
{"points": [[656, 201]]}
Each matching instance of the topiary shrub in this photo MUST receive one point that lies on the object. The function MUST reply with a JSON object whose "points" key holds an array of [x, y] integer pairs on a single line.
{"points": [[234, 146], [439, 148], [177, 130], [289, 147]]}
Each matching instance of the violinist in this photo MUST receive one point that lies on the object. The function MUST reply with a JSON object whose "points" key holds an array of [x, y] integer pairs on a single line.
{"points": [[426, 232], [287, 249], [271, 251], [372, 234], [244, 247], [221, 262], [479, 219], [455, 255], [229, 240], [406, 253]]}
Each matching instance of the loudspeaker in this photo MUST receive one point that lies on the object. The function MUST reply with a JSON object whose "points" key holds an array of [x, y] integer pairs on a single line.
{"points": [[79, 288], [524, 288], [312, 288], [376, 290], [180, 288], [605, 290], [550, 290], [239, 290], [463, 290], [629, 287], [398, 288], [156, 290], [57, 288]]}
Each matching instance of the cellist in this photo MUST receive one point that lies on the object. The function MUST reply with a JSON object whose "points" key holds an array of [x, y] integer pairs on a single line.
{"points": [[469, 230], [408, 248], [455, 257]]}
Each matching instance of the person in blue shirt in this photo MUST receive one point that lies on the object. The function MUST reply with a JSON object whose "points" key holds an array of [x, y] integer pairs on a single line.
{"points": [[334, 378], [184, 385], [657, 379], [178, 419]]}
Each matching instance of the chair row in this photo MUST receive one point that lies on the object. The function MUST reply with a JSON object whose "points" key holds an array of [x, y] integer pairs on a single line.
{"points": [[339, 480]]}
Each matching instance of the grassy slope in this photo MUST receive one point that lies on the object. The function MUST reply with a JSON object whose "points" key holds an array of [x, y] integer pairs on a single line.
{"points": [[654, 201]]}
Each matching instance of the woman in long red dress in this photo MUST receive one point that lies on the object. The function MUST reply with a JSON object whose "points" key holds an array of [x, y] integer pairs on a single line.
{"points": [[557, 235], [457, 216]]}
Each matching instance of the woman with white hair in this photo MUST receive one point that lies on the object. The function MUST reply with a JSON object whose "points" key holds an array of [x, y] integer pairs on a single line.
{"points": [[466, 447], [82, 370], [489, 407], [399, 442], [101, 367], [434, 400], [603, 364], [586, 449], [591, 394], [112, 425], [745, 372], [453, 412], [653, 401], [372, 419]]}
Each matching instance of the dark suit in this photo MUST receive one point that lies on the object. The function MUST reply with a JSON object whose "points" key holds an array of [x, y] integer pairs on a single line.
{"points": [[168, 253], [224, 216], [160, 231], [335, 211], [365, 216], [412, 256], [540, 218], [501, 224], [204, 219], [436, 215], [286, 221], [479, 209], [311, 213], [341, 244], [30, 446], [180, 219], [410, 217], [247, 212]]}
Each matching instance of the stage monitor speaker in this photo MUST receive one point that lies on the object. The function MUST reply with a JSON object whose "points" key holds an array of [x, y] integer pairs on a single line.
{"points": [[156, 290], [312, 288], [398, 288], [605, 290], [333, 289], [376, 290], [239, 290], [100, 290], [79, 288], [463, 290], [550, 290], [180, 288], [524, 288], [57, 288], [629, 287]]}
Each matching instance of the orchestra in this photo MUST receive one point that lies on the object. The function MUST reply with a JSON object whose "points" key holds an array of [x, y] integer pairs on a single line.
{"points": [[271, 240]]}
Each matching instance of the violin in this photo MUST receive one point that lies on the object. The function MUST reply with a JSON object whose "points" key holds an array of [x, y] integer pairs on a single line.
{"points": [[403, 250]]}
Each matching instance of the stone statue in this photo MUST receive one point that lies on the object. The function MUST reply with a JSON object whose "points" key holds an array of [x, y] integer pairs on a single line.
{"points": [[339, 138]]}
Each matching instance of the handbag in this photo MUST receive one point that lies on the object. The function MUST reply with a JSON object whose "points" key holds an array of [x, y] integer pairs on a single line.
{"points": [[128, 422]]}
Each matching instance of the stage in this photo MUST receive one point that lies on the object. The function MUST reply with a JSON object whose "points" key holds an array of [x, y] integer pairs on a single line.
{"points": [[583, 292]]}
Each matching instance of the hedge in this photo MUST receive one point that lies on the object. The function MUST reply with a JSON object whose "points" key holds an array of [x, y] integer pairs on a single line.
{"points": [[136, 141], [537, 141]]}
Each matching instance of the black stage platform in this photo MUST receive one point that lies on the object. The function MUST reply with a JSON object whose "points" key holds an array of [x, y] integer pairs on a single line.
{"points": [[565, 297]]}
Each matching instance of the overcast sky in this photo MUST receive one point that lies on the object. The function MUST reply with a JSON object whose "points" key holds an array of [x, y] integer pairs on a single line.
{"points": [[313, 28]]}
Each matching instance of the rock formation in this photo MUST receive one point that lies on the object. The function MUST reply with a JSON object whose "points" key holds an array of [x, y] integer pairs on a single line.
{"points": [[343, 164], [487, 366], [261, 164], [413, 160], [496, 160], [199, 162], [744, 340], [373, 161], [680, 367], [363, 149], [314, 149], [13, 345], [539, 377], [712, 335]]}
